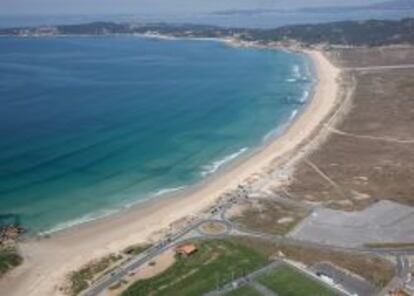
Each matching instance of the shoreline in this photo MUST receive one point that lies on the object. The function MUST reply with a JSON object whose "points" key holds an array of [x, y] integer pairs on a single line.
{"points": [[242, 155], [47, 261]]}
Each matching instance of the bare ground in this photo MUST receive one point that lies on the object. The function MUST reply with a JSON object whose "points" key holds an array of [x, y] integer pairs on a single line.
{"points": [[378, 56], [269, 216], [369, 156]]}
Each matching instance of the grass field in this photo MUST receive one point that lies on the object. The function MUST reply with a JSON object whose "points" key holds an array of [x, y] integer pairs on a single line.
{"points": [[214, 263], [9, 258], [286, 281], [244, 291], [391, 245], [376, 270]]}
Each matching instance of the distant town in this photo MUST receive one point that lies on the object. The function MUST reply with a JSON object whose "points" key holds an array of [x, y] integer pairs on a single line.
{"points": [[349, 33]]}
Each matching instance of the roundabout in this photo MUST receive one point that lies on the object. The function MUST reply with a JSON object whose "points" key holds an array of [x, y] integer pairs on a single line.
{"points": [[214, 228]]}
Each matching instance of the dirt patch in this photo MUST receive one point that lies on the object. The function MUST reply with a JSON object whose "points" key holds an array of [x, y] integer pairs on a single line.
{"points": [[369, 156], [153, 268], [269, 216], [378, 56], [213, 228]]}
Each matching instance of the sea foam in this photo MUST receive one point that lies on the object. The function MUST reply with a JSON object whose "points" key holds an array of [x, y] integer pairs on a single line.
{"points": [[168, 190], [214, 166]]}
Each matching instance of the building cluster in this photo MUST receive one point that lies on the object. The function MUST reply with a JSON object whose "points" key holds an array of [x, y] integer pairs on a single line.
{"points": [[38, 31]]}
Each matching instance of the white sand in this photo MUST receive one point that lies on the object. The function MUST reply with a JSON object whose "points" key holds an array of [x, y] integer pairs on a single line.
{"points": [[49, 260]]}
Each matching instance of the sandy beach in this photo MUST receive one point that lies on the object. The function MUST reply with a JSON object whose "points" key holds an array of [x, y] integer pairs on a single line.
{"points": [[47, 261]]}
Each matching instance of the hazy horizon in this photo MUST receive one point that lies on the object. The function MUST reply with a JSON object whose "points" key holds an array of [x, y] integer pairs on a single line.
{"points": [[50, 7]]}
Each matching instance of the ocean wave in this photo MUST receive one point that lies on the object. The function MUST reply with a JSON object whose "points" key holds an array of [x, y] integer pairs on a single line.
{"points": [[78, 221], [291, 80], [272, 133], [277, 131], [299, 100], [293, 114], [304, 96], [168, 190], [296, 71], [299, 79], [299, 74], [105, 213], [213, 167]]}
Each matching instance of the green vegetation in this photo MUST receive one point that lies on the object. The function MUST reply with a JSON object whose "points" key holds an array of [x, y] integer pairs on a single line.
{"points": [[404, 293], [244, 291], [9, 258], [390, 245], [286, 281], [81, 279], [213, 264], [376, 270], [217, 261], [136, 249], [356, 33]]}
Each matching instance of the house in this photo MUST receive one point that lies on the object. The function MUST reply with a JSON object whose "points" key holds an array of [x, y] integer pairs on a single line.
{"points": [[399, 293], [186, 250]]}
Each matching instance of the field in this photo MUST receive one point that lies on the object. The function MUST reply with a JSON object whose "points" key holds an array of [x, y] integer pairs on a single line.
{"points": [[390, 245], [369, 155], [374, 269], [244, 291], [286, 281], [215, 263], [269, 216], [365, 57], [9, 259]]}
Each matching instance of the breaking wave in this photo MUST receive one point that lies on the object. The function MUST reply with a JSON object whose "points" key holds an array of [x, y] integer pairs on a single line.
{"points": [[213, 167]]}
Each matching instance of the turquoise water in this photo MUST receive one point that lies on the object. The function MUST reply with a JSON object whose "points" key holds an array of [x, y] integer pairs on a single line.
{"points": [[91, 125]]}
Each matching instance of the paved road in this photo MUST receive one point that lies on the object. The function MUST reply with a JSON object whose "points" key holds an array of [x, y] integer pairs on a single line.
{"points": [[373, 68], [114, 277], [192, 233], [403, 267], [245, 280], [354, 285], [263, 290], [250, 280]]}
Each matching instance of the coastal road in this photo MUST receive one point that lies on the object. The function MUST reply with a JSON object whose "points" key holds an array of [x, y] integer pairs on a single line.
{"points": [[192, 232], [376, 68], [403, 267]]}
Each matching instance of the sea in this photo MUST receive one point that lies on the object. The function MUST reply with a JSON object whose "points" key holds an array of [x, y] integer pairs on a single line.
{"points": [[260, 18], [93, 125]]}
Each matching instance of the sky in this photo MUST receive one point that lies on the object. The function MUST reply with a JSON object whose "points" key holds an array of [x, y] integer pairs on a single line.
{"points": [[156, 6]]}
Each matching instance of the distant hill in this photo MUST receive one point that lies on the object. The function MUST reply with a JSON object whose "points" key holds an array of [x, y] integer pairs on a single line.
{"points": [[349, 33], [249, 11], [353, 33], [395, 4], [387, 5]]}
